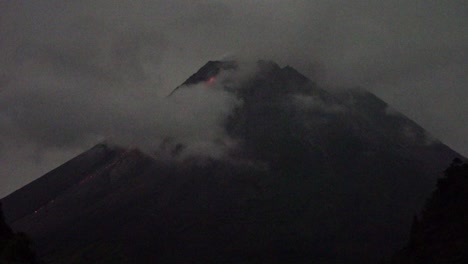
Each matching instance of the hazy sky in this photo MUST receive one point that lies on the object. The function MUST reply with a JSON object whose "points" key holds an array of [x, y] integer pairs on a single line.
{"points": [[73, 73]]}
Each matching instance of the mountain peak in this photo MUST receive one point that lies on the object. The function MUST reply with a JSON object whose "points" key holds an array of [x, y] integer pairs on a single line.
{"points": [[210, 69], [304, 156], [265, 71]]}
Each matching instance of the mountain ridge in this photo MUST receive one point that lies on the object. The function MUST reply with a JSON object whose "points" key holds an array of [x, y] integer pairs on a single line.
{"points": [[315, 177]]}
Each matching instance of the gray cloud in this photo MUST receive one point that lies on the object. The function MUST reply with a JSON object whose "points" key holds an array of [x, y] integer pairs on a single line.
{"points": [[75, 72], [311, 103]]}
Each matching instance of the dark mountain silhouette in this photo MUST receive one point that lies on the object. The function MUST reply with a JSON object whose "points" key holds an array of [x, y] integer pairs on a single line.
{"points": [[319, 177], [440, 234], [15, 248]]}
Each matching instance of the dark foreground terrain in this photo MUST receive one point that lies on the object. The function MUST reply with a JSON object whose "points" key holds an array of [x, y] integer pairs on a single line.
{"points": [[440, 233], [15, 248]]}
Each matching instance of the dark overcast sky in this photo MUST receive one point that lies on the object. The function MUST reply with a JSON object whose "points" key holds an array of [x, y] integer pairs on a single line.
{"points": [[74, 72]]}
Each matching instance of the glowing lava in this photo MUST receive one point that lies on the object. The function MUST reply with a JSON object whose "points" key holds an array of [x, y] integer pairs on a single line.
{"points": [[211, 79]]}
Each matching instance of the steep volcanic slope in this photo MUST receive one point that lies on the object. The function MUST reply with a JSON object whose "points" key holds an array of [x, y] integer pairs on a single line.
{"points": [[33, 196], [318, 177]]}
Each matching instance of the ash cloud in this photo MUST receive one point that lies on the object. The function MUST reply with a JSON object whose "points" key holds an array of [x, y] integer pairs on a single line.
{"points": [[75, 72]]}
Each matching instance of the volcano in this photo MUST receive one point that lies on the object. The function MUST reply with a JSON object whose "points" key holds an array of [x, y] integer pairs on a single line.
{"points": [[317, 177]]}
